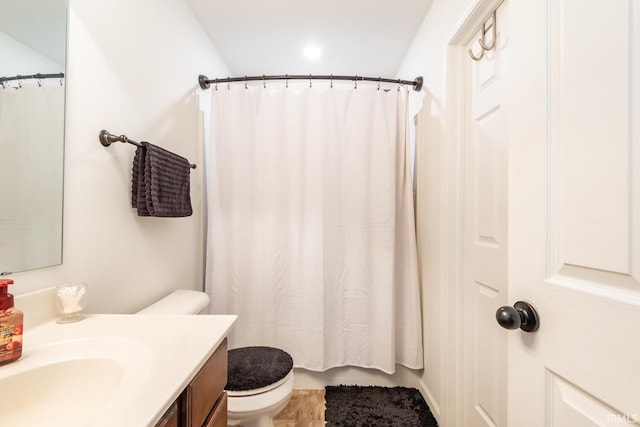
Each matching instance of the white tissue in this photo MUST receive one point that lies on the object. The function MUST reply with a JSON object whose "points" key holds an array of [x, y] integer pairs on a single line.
{"points": [[71, 299]]}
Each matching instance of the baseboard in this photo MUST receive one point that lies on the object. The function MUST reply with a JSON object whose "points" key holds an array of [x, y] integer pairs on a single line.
{"points": [[431, 401]]}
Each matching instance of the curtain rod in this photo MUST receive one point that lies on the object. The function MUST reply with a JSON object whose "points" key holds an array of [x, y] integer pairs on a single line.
{"points": [[32, 76], [205, 82]]}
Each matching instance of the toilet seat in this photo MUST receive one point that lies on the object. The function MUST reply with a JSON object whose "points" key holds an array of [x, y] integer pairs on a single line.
{"points": [[257, 369]]}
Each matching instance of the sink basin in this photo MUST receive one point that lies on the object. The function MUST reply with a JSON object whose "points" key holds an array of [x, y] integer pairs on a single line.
{"points": [[65, 393], [70, 383]]}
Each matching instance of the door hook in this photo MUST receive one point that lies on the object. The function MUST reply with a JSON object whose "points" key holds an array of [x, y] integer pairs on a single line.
{"points": [[493, 34], [474, 57], [483, 45]]}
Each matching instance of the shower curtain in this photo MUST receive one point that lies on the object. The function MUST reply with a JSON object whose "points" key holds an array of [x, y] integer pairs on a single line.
{"points": [[31, 150], [310, 232]]}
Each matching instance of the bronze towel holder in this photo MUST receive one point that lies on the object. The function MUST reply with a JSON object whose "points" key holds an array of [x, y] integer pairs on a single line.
{"points": [[106, 139]]}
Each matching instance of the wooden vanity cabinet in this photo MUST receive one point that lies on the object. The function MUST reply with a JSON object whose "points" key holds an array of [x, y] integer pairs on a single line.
{"points": [[203, 403], [171, 418]]}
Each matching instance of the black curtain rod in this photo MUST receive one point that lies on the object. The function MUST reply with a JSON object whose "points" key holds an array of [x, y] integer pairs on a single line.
{"points": [[32, 76], [106, 139], [205, 82]]}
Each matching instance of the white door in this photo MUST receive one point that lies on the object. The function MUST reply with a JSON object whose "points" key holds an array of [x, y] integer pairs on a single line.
{"points": [[574, 212], [485, 228]]}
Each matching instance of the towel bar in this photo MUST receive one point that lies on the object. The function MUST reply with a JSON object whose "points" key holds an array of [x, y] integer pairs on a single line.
{"points": [[106, 139]]}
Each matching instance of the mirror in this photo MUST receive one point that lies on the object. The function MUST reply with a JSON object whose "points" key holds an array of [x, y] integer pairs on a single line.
{"points": [[32, 42]]}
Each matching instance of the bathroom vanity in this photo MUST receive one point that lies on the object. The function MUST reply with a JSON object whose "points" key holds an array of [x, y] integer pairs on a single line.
{"points": [[117, 370], [203, 403]]}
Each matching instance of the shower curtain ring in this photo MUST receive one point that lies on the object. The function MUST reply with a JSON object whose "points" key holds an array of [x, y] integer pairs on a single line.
{"points": [[379, 80], [310, 80], [245, 82], [228, 83], [399, 84], [264, 82], [355, 79], [331, 81], [286, 80]]}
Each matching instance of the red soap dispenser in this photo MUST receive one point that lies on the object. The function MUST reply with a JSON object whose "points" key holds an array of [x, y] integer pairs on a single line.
{"points": [[10, 326]]}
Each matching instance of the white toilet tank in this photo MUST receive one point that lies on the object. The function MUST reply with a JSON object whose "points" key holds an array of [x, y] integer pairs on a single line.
{"points": [[181, 301]]}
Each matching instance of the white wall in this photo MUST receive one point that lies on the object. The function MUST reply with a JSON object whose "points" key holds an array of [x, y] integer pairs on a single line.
{"points": [[132, 69], [24, 60], [427, 57]]}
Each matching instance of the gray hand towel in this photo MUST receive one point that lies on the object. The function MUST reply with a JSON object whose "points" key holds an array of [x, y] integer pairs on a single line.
{"points": [[160, 183], [138, 199]]}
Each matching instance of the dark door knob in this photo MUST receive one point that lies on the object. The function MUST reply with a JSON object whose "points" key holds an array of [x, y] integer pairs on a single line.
{"points": [[522, 315]]}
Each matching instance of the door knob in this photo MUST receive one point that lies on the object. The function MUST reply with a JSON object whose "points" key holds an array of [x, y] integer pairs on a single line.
{"points": [[522, 315]]}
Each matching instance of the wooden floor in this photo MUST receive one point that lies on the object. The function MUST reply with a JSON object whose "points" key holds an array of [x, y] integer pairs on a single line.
{"points": [[305, 408]]}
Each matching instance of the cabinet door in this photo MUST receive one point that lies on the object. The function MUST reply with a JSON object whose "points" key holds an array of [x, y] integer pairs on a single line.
{"points": [[218, 417], [170, 418], [206, 390]]}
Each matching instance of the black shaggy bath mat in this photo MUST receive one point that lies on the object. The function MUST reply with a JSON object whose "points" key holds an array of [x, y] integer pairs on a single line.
{"points": [[354, 406]]}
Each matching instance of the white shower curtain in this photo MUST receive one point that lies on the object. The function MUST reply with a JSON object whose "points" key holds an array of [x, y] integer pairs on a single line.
{"points": [[31, 149], [310, 223]]}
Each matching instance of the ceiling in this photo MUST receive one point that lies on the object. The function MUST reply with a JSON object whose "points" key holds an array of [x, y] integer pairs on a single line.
{"points": [[355, 37]]}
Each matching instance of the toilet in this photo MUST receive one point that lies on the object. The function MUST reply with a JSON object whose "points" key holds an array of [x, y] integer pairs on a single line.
{"points": [[260, 379]]}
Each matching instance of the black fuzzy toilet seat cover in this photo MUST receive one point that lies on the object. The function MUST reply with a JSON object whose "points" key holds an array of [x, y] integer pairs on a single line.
{"points": [[250, 368]]}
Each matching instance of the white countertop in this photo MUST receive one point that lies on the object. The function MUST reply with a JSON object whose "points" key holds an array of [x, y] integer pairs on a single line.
{"points": [[160, 355]]}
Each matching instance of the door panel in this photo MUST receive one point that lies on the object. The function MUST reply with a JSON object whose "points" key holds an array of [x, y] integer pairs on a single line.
{"points": [[594, 189], [570, 406], [574, 191], [590, 135]]}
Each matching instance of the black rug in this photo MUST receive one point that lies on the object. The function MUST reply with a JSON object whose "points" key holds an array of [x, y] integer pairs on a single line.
{"points": [[354, 406]]}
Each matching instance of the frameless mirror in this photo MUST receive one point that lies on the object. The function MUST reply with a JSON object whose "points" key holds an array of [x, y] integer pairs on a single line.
{"points": [[32, 66]]}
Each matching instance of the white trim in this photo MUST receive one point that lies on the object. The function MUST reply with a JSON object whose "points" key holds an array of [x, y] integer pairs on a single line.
{"points": [[453, 157], [434, 407]]}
